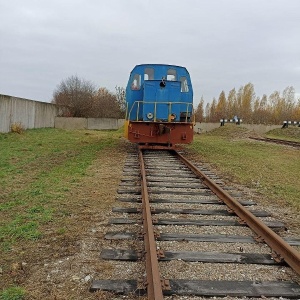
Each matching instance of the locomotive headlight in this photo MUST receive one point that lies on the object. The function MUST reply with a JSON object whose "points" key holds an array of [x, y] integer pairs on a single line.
{"points": [[150, 115]]}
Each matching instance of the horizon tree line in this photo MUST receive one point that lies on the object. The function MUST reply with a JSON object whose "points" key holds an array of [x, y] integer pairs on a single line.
{"points": [[272, 109], [81, 98]]}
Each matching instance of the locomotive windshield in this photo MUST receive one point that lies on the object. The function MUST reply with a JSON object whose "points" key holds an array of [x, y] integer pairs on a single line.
{"points": [[171, 76], [184, 85], [149, 74]]}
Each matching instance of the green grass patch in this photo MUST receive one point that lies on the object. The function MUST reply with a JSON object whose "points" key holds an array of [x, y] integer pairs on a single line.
{"points": [[291, 133], [274, 170], [12, 293], [38, 168]]}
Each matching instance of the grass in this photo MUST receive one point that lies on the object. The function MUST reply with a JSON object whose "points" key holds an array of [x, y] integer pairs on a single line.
{"points": [[292, 133], [37, 169], [12, 293], [274, 170], [42, 170]]}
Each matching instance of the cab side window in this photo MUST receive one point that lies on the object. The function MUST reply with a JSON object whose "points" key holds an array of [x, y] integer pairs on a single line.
{"points": [[149, 74], [136, 82], [171, 76], [184, 84]]}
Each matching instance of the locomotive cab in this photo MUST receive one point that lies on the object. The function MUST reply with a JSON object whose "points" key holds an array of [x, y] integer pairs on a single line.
{"points": [[159, 105]]}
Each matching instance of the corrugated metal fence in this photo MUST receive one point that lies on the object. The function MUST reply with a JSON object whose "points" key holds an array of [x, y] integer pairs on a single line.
{"points": [[31, 114]]}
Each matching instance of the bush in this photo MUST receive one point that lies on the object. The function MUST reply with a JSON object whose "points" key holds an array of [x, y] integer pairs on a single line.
{"points": [[17, 128]]}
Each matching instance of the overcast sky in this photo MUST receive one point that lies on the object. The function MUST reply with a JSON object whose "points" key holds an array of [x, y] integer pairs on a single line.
{"points": [[223, 43]]}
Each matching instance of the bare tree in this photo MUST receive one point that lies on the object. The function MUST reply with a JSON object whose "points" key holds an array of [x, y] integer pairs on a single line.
{"points": [[106, 105], [121, 99], [77, 94]]}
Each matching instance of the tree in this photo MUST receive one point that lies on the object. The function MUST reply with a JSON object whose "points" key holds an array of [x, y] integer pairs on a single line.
{"points": [[221, 108], [266, 110], [288, 98], [207, 112], [212, 113], [261, 114], [231, 104], [82, 99], [121, 99], [296, 113], [199, 111], [248, 96], [106, 105], [77, 94], [275, 107]]}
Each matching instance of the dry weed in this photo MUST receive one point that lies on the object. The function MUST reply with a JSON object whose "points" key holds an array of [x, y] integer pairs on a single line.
{"points": [[17, 127]]}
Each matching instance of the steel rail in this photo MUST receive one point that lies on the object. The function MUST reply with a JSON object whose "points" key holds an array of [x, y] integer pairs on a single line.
{"points": [[277, 141], [283, 142], [153, 284], [281, 249]]}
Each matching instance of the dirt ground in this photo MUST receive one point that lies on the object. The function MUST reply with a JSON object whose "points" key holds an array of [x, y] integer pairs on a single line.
{"points": [[63, 263]]}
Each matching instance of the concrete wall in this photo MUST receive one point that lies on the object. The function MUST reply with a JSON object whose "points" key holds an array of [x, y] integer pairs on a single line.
{"points": [[260, 128], [106, 123], [88, 123], [70, 123], [31, 114], [205, 127]]}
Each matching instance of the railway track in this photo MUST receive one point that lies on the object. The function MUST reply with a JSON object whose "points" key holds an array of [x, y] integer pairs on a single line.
{"points": [[196, 236], [277, 141]]}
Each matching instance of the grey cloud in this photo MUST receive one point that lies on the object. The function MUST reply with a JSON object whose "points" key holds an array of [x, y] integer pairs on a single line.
{"points": [[224, 44]]}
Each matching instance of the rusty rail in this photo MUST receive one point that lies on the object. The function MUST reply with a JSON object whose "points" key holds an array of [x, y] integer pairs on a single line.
{"points": [[278, 141], [153, 284], [282, 250]]}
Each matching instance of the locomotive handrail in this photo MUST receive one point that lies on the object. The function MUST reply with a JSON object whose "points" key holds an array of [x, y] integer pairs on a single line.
{"points": [[137, 103]]}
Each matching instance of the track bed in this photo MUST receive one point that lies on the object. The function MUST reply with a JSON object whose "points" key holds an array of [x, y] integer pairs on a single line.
{"points": [[200, 247]]}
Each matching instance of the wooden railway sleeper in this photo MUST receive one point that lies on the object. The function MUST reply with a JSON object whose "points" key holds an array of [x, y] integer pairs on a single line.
{"points": [[231, 211], [165, 285], [142, 284], [242, 221], [156, 233], [259, 239], [277, 257], [154, 220], [160, 253], [142, 233], [140, 254], [152, 209], [263, 232]]}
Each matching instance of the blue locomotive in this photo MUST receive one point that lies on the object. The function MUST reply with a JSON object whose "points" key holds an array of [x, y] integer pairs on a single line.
{"points": [[159, 101]]}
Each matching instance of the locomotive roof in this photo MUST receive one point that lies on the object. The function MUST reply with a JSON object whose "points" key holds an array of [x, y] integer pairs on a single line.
{"points": [[160, 65]]}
